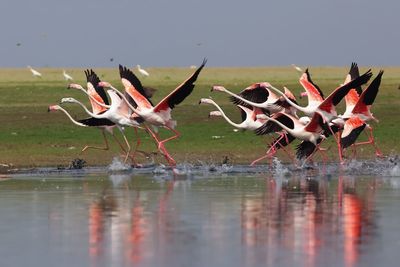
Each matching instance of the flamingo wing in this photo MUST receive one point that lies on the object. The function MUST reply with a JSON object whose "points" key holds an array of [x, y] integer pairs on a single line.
{"points": [[93, 80], [369, 94], [254, 93], [128, 75], [271, 127], [316, 123], [352, 129], [181, 92], [314, 93], [337, 95], [305, 149], [353, 74], [96, 122]]}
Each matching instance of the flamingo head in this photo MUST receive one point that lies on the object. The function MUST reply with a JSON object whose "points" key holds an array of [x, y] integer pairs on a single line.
{"points": [[205, 101], [218, 88], [53, 108], [67, 100], [215, 113], [104, 84], [75, 86]]}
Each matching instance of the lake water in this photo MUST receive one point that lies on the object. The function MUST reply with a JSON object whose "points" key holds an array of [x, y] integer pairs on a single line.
{"points": [[205, 217]]}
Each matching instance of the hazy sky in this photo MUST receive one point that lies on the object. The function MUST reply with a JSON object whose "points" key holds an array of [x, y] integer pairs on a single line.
{"points": [[82, 33]]}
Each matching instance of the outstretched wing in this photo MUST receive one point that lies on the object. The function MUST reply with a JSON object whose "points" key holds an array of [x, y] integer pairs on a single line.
{"points": [[254, 93], [314, 93], [181, 92], [128, 75], [271, 127], [337, 95], [93, 80]]}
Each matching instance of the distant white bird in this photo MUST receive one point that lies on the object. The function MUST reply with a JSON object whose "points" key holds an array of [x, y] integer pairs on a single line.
{"points": [[142, 71], [67, 77], [297, 68], [35, 73]]}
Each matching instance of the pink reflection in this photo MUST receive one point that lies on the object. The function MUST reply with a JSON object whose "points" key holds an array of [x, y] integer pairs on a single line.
{"points": [[302, 216]]}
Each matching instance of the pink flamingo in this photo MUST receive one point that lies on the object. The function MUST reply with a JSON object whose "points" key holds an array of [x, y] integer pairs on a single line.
{"points": [[96, 95], [249, 116], [358, 103], [160, 114], [311, 132], [258, 95]]}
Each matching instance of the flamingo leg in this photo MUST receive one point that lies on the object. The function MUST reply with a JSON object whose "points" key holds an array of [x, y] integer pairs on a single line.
{"points": [[371, 140], [95, 147], [127, 145], [270, 152], [119, 143], [317, 148], [161, 146], [337, 139]]}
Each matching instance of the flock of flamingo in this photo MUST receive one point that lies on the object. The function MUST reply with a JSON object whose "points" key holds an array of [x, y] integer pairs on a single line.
{"points": [[264, 110]]}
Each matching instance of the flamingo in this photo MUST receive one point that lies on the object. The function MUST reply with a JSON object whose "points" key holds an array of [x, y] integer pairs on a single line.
{"points": [[103, 124], [35, 73], [160, 114], [118, 113], [311, 132], [249, 116], [358, 103], [258, 95], [326, 107], [142, 71], [67, 77], [100, 103], [251, 120], [351, 130]]}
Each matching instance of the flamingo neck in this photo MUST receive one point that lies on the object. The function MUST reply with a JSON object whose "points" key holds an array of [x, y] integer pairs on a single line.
{"points": [[302, 109], [135, 110], [72, 119], [224, 116], [257, 105], [86, 110]]}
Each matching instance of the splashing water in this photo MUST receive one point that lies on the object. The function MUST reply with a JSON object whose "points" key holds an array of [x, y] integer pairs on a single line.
{"points": [[279, 168], [118, 165]]}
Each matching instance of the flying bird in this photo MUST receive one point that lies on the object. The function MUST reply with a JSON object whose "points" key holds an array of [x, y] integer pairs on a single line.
{"points": [[249, 116], [160, 114], [35, 73], [67, 77], [260, 96], [142, 71]]}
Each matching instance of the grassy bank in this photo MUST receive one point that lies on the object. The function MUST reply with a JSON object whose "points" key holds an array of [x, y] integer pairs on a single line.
{"points": [[30, 136]]}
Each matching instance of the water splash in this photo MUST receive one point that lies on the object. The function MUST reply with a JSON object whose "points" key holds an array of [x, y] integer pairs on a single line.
{"points": [[278, 168], [118, 165]]}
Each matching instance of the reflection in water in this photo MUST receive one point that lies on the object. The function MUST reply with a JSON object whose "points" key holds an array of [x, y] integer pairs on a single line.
{"points": [[226, 221], [302, 218]]}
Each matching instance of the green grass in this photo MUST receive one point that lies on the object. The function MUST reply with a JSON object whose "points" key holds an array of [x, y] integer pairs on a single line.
{"points": [[30, 136]]}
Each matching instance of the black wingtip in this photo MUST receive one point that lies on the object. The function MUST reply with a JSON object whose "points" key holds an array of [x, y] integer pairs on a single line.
{"points": [[204, 62]]}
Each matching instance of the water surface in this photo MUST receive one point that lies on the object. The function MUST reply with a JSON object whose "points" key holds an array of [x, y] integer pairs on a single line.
{"points": [[207, 219]]}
